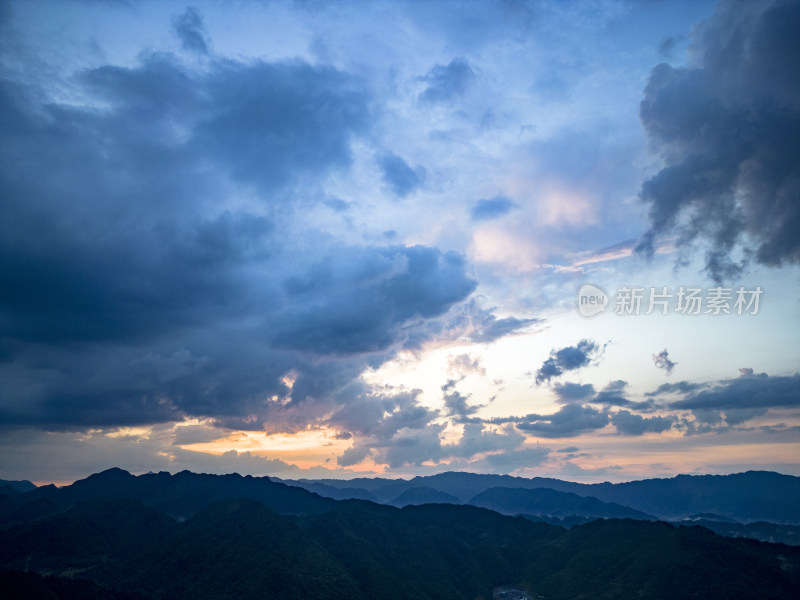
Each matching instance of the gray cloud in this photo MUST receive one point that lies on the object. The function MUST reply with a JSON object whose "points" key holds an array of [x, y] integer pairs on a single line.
{"points": [[680, 387], [570, 420], [732, 402], [446, 83], [753, 392], [728, 129], [190, 29], [628, 423], [358, 299], [182, 303], [662, 361], [568, 392], [569, 358], [458, 407], [352, 456], [492, 208], [476, 439], [399, 176]]}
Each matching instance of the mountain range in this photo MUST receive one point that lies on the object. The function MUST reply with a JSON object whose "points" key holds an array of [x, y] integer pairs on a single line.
{"points": [[188, 535]]}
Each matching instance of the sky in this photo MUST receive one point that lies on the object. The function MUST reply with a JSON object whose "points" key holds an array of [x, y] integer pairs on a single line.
{"points": [[321, 239]]}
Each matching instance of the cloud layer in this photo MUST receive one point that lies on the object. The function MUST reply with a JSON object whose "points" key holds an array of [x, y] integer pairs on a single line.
{"points": [[728, 129]]}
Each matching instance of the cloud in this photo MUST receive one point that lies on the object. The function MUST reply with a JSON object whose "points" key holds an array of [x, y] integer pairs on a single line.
{"points": [[488, 209], [445, 83], [569, 392], [352, 456], [464, 364], [134, 244], [191, 31], [568, 358], [412, 448], [457, 406], [476, 439], [757, 391], [481, 325], [680, 387], [728, 128], [628, 423], [401, 178], [731, 402], [613, 394], [662, 361], [510, 460], [570, 420], [358, 299]]}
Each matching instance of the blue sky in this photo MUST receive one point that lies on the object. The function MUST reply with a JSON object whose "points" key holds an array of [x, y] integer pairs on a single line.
{"points": [[329, 239]]}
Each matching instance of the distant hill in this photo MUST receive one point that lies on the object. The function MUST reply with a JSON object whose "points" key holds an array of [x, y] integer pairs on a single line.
{"points": [[543, 501], [330, 491], [424, 495], [16, 486], [742, 497]]}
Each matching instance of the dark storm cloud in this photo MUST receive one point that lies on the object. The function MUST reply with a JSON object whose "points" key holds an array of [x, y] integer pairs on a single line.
{"points": [[272, 123], [752, 392], [446, 83], [569, 358], [662, 361], [191, 31], [134, 293], [570, 420], [399, 176], [628, 423], [491, 208], [728, 129], [358, 300]]}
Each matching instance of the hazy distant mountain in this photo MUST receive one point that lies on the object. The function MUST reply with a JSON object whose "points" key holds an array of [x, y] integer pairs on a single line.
{"points": [[238, 548], [750, 496], [543, 501], [744, 497], [424, 495], [16, 486], [330, 491]]}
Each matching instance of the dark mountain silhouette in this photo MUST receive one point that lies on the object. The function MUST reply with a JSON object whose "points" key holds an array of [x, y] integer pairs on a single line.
{"points": [[612, 559], [239, 548], [759, 530], [31, 586], [543, 501], [180, 495]]}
